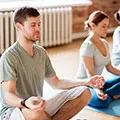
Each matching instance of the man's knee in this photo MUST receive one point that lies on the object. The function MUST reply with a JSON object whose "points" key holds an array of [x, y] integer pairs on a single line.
{"points": [[87, 95], [40, 116], [32, 115]]}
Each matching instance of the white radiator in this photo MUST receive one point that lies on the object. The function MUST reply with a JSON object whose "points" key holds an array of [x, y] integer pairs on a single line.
{"points": [[56, 27]]}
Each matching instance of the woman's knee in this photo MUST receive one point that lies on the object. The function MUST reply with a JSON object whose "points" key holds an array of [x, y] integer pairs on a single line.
{"points": [[98, 103]]}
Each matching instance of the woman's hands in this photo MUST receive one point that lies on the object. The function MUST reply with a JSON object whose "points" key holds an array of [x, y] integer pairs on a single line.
{"points": [[35, 103], [100, 94]]}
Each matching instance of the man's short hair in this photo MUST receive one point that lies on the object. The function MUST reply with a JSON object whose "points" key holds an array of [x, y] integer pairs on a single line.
{"points": [[21, 14]]}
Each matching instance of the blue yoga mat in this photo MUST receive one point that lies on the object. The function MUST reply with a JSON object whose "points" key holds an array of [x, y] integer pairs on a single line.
{"points": [[112, 109]]}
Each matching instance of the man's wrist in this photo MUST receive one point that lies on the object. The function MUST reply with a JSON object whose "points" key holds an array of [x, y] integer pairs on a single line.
{"points": [[23, 103], [86, 82]]}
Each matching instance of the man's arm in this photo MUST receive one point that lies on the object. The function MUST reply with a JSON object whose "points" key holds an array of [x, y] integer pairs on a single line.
{"points": [[94, 81], [34, 103], [11, 97]]}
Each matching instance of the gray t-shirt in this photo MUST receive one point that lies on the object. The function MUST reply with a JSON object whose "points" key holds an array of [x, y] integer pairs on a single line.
{"points": [[28, 72], [115, 58], [88, 48]]}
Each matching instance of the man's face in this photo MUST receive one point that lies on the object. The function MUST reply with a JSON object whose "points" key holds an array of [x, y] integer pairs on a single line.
{"points": [[31, 28]]}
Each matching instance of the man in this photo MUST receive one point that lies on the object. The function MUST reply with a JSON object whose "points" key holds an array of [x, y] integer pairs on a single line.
{"points": [[25, 65]]}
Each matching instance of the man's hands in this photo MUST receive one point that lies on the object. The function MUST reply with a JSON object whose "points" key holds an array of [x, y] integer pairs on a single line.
{"points": [[35, 103], [96, 81]]}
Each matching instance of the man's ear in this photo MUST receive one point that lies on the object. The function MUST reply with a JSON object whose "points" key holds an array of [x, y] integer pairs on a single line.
{"points": [[18, 26]]}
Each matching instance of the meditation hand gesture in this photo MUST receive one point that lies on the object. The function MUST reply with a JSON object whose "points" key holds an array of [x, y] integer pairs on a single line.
{"points": [[35, 103], [96, 81], [100, 94]]}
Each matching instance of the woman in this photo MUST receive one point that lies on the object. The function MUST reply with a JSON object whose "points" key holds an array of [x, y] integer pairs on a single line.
{"points": [[94, 56], [116, 43]]}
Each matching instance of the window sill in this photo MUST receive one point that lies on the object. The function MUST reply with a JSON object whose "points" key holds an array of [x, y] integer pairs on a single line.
{"points": [[10, 6]]}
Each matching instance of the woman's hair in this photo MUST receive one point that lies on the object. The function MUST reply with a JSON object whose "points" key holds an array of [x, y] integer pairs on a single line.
{"points": [[117, 16], [96, 17], [21, 14]]}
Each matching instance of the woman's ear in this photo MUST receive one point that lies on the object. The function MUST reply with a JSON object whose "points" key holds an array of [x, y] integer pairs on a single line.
{"points": [[92, 25], [18, 26]]}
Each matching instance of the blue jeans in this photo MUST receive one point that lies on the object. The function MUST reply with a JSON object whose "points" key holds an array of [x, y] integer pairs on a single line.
{"points": [[111, 87]]}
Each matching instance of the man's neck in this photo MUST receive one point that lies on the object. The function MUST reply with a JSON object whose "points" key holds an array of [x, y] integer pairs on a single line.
{"points": [[27, 46]]}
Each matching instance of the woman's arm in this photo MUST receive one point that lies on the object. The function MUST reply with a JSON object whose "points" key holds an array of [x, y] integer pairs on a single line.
{"points": [[112, 69], [89, 66]]}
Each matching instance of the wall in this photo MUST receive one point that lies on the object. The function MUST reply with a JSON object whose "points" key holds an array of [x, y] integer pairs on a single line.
{"points": [[81, 13]]}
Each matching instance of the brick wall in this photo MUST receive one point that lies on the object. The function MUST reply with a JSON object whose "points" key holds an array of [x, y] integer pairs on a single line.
{"points": [[81, 13], [79, 16]]}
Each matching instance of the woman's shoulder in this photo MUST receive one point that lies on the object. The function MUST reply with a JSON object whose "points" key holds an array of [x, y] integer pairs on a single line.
{"points": [[104, 41], [87, 43], [87, 48]]}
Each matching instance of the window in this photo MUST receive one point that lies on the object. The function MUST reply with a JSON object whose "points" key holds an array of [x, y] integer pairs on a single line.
{"points": [[12, 4]]}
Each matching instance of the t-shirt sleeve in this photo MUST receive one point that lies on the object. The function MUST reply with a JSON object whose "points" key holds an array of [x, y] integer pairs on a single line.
{"points": [[86, 50], [49, 68], [7, 68]]}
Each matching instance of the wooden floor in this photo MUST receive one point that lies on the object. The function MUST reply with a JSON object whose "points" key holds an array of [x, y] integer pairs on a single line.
{"points": [[65, 61]]}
